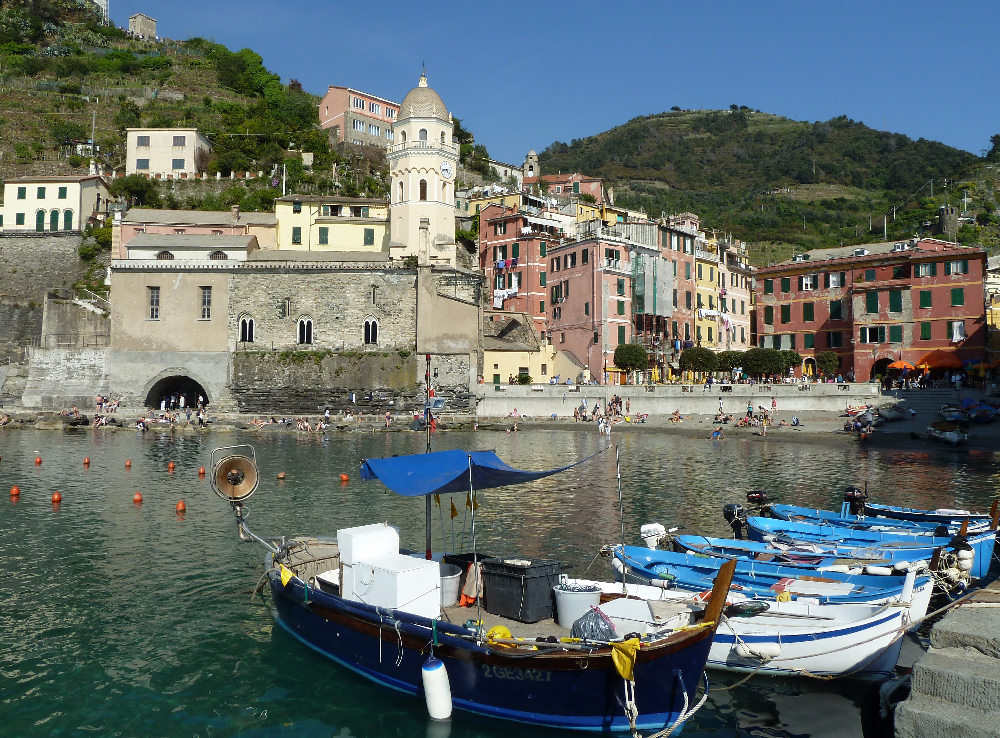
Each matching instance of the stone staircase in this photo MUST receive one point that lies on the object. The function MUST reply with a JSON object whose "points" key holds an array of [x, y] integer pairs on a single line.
{"points": [[927, 402], [956, 684]]}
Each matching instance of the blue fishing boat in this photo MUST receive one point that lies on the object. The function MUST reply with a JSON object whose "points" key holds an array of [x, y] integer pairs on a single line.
{"points": [[946, 516], [867, 522], [376, 611], [796, 553], [695, 572], [971, 553]]}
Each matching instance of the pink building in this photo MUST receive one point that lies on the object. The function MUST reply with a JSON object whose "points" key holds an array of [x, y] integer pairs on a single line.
{"points": [[567, 185], [358, 117], [193, 223]]}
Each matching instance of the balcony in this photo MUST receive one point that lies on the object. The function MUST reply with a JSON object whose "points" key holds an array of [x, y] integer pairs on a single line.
{"points": [[429, 147]]}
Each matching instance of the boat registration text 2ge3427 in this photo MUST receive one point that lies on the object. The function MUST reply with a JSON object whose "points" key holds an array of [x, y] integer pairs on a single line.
{"points": [[515, 673]]}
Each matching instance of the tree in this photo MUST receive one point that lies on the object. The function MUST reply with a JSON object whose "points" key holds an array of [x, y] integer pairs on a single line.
{"points": [[828, 363], [698, 359], [758, 362], [792, 360], [994, 153], [729, 360], [631, 357], [128, 116], [137, 189]]}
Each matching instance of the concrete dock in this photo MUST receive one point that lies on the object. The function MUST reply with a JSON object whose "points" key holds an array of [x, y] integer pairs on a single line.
{"points": [[956, 684]]}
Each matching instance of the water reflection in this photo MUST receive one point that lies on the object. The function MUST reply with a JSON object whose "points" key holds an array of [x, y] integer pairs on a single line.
{"points": [[124, 618]]}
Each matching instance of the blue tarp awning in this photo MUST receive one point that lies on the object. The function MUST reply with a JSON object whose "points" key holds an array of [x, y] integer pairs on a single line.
{"points": [[416, 475]]}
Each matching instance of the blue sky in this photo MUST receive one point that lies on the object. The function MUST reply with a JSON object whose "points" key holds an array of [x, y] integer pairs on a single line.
{"points": [[521, 75]]}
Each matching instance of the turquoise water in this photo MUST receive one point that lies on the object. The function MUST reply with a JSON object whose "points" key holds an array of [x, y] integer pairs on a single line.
{"points": [[128, 620]]}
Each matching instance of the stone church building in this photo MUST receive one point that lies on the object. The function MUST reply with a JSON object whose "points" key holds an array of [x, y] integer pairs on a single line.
{"points": [[279, 330]]}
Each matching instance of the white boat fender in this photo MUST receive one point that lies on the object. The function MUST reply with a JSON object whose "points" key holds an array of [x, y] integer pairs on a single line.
{"points": [[882, 571], [854, 570], [839, 568], [966, 554], [437, 688], [965, 564], [907, 593], [762, 651], [952, 575], [901, 566]]}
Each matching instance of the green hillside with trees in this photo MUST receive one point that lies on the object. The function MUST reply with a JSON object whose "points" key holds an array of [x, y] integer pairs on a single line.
{"points": [[782, 185]]}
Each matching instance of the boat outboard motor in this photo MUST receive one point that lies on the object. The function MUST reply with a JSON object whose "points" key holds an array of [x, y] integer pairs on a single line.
{"points": [[855, 497], [942, 531], [736, 516], [652, 534], [757, 497]]}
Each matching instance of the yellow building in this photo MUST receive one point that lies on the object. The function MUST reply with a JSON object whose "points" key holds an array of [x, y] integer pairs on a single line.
{"points": [[328, 223], [511, 348], [706, 265]]}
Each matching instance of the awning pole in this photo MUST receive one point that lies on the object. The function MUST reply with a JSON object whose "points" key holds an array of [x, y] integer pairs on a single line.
{"points": [[475, 556], [621, 510], [427, 437]]}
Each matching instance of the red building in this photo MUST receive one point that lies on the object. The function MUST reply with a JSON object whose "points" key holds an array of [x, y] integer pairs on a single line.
{"points": [[875, 304], [568, 185]]}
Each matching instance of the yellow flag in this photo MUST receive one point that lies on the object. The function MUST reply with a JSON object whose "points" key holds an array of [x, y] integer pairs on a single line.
{"points": [[623, 656], [437, 499], [454, 510], [286, 574]]}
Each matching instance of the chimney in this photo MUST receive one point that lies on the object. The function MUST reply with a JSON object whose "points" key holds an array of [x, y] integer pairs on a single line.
{"points": [[236, 214]]}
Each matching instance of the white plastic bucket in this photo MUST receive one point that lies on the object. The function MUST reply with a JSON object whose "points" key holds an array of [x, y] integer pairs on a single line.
{"points": [[450, 576], [574, 601]]}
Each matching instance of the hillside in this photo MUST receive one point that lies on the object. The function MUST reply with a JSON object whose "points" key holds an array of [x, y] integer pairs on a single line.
{"points": [[64, 75], [780, 184]]}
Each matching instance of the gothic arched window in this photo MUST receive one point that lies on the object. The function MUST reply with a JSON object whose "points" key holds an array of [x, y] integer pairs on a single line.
{"points": [[246, 329], [165, 256], [305, 330], [423, 134], [371, 331], [423, 189]]}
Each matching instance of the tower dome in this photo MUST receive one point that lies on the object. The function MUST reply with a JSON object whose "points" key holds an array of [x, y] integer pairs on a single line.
{"points": [[423, 102]]}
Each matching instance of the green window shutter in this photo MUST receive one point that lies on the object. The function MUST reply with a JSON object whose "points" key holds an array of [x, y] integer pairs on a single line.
{"points": [[809, 341], [768, 286], [585, 256], [965, 266], [933, 268], [836, 310], [541, 279], [62, 193], [895, 301], [896, 334], [791, 341], [869, 275], [808, 312], [826, 279], [324, 235], [786, 284], [925, 298], [586, 308], [369, 236], [800, 283], [947, 267], [621, 286], [621, 307], [515, 251], [297, 234], [576, 188], [776, 342], [786, 313], [871, 302], [768, 315], [541, 250], [541, 306], [687, 271], [621, 335], [925, 331], [957, 296], [22, 193]]}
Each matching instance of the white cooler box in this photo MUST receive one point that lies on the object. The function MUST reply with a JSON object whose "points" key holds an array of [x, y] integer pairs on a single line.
{"points": [[366, 542], [395, 581]]}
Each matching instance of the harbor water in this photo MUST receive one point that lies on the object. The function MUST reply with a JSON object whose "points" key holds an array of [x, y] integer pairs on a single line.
{"points": [[133, 620]]}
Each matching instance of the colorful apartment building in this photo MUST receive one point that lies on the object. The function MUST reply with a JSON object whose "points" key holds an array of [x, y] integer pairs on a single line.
{"points": [[358, 117], [569, 185], [331, 223], [262, 226], [167, 153], [875, 304], [52, 204]]}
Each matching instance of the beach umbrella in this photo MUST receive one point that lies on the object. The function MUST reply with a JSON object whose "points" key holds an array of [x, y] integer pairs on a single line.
{"points": [[901, 365]]}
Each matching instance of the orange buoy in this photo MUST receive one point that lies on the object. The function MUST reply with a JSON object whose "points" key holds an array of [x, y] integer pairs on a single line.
{"points": [[170, 466], [56, 498], [86, 461], [137, 498], [201, 471], [128, 463], [344, 477], [181, 507], [281, 475], [15, 491], [38, 461]]}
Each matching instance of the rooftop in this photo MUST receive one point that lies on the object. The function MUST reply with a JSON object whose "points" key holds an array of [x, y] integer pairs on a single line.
{"points": [[178, 242], [197, 217]]}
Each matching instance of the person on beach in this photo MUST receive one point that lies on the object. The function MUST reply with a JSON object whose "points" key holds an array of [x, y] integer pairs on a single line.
{"points": [[749, 409], [717, 434], [388, 418], [774, 409]]}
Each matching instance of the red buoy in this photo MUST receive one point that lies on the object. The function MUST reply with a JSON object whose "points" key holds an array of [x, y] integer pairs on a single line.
{"points": [[181, 507], [343, 477], [170, 466], [15, 491], [137, 498], [201, 471], [128, 463], [56, 498], [38, 461]]}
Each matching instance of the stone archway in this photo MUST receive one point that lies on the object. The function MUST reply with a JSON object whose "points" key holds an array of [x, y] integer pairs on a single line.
{"points": [[175, 383], [880, 367], [809, 367]]}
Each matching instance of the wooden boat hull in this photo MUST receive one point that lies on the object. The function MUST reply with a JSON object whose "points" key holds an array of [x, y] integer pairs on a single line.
{"points": [[567, 690]]}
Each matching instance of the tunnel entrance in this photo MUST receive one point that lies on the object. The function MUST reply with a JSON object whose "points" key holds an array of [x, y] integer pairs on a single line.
{"points": [[167, 393]]}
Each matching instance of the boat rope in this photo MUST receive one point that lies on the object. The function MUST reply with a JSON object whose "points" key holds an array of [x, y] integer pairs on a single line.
{"points": [[399, 636], [631, 709], [685, 712]]}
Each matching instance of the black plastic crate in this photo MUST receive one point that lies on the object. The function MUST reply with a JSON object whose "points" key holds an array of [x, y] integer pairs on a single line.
{"points": [[520, 592]]}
